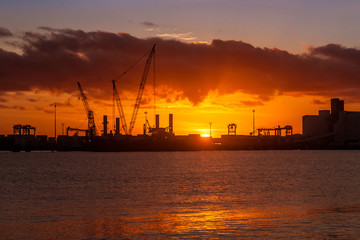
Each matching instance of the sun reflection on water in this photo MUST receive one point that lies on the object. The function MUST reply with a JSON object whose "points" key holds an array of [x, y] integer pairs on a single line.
{"points": [[207, 195], [180, 223]]}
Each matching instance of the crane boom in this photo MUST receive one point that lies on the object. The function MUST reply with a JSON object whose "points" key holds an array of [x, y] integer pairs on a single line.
{"points": [[141, 89], [89, 112], [120, 108]]}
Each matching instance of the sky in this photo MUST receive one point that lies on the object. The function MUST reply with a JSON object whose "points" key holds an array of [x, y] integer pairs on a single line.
{"points": [[216, 61]]}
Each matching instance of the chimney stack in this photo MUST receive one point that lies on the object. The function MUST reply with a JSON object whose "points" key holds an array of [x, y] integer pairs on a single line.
{"points": [[171, 124], [117, 126], [105, 123], [157, 121]]}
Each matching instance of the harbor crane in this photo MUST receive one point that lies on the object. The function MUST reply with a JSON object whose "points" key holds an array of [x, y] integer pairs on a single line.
{"points": [[89, 112], [141, 89], [147, 128], [77, 130], [116, 99]]}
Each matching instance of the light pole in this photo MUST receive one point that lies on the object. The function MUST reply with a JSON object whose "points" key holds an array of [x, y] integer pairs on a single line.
{"points": [[254, 122], [210, 128], [55, 120]]}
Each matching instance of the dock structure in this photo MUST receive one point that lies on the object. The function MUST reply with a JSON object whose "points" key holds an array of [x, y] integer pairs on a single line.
{"points": [[24, 129], [277, 131], [331, 129]]}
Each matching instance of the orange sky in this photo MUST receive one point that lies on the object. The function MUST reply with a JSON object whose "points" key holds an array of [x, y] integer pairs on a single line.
{"points": [[188, 119], [221, 82]]}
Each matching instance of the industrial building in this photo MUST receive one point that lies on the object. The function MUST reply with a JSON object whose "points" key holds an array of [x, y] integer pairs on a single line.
{"points": [[335, 126]]}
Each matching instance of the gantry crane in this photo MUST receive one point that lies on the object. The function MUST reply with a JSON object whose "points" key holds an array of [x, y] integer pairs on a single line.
{"points": [[89, 112], [147, 127], [141, 89], [116, 99], [76, 130]]}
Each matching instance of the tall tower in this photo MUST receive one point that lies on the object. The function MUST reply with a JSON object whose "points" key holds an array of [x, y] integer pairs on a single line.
{"points": [[337, 106], [157, 121], [171, 124], [105, 123], [117, 126]]}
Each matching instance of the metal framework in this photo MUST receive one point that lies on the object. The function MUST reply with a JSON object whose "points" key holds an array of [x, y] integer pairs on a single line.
{"points": [[232, 129], [147, 127], [23, 129], [76, 130], [277, 131], [116, 99], [89, 112], [141, 89]]}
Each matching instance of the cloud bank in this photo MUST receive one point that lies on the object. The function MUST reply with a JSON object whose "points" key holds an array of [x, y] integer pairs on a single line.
{"points": [[56, 59], [5, 32]]}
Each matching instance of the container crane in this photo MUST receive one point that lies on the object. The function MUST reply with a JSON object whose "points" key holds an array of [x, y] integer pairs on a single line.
{"points": [[141, 89], [120, 108], [89, 112], [147, 128], [77, 130]]}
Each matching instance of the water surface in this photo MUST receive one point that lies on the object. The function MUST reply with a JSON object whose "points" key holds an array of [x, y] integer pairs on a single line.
{"points": [[196, 195]]}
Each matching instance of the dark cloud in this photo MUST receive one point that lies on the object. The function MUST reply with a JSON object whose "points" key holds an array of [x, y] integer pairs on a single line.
{"points": [[338, 52], [5, 32], [57, 59], [48, 29], [67, 103], [252, 103], [103, 103], [32, 100], [2, 106], [44, 110], [149, 24], [319, 102]]}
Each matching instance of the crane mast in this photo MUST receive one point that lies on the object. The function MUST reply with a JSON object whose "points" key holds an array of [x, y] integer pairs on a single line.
{"points": [[89, 112], [120, 108], [141, 89]]}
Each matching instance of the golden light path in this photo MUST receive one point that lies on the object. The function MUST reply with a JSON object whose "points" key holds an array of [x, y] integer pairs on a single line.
{"points": [[183, 223]]}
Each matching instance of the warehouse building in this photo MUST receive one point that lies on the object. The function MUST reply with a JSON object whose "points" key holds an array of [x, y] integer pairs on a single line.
{"points": [[343, 126]]}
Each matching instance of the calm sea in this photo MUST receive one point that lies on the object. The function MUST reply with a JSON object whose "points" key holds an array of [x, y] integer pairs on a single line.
{"points": [[180, 195]]}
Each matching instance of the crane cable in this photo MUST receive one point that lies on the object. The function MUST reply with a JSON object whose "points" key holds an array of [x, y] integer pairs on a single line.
{"points": [[131, 66], [125, 72], [154, 89]]}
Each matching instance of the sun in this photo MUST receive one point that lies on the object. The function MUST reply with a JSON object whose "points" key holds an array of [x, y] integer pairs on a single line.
{"points": [[205, 135]]}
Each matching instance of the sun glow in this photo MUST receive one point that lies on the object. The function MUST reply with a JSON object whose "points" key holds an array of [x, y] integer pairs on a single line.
{"points": [[205, 135]]}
